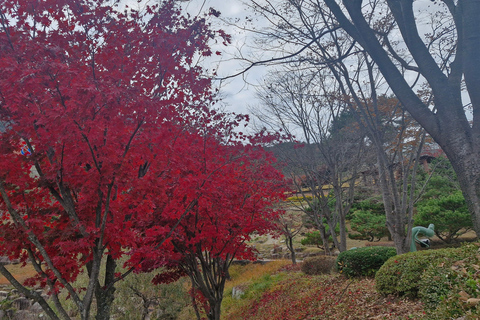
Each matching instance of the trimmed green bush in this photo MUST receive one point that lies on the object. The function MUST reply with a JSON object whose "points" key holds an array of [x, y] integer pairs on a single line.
{"points": [[318, 265], [401, 274], [368, 225], [363, 261], [450, 288]]}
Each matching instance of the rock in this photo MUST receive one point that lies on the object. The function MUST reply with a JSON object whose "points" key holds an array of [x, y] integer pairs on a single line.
{"points": [[36, 308], [22, 303], [237, 292]]}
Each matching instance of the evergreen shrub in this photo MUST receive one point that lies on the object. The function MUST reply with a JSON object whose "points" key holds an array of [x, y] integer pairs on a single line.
{"points": [[450, 287], [401, 274], [363, 261]]}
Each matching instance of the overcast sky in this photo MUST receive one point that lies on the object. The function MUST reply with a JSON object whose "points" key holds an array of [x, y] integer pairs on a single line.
{"points": [[237, 93]]}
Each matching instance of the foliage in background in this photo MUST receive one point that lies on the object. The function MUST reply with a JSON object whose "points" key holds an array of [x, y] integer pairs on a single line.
{"points": [[367, 218], [368, 226], [363, 261], [138, 299], [372, 205], [440, 179], [449, 213], [314, 238]]}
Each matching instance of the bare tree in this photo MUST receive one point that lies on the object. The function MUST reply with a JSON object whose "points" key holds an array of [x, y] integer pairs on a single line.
{"points": [[325, 169], [290, 225]]}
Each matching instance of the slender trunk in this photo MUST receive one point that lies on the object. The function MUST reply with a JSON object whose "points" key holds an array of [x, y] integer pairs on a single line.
{"points": [[105, 294], [324, 236], [343, 234], [394, 219], [289, 242], [194, 301]]}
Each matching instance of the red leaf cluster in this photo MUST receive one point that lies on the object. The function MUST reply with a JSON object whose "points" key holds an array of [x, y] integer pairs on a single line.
{"points": [[121, 153]]}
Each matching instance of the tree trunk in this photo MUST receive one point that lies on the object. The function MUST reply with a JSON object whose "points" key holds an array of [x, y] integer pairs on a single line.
{"points": [[343, 234], [323, 235], [105, 294], [394, 218], [289, 243], [214, 313], [467, 168]]}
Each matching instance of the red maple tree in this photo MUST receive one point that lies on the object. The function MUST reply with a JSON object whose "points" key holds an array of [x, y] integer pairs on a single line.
{"points": [[235, 189], [119, 147]]}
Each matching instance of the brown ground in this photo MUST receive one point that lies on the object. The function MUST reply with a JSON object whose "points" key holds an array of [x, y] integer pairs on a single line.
{"points": [[19, 272]]}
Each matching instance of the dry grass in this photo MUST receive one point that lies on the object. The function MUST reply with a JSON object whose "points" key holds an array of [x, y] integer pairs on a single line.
{"points": [[297, 296], [253, 271], [20, 273]]}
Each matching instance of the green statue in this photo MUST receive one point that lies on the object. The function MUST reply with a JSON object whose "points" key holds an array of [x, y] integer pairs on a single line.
{"points": [[428, 232]]}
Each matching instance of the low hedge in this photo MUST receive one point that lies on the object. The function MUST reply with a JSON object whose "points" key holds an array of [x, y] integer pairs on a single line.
{"points": [[318, 265], [401, 274], [363, 261], [450, 287]]}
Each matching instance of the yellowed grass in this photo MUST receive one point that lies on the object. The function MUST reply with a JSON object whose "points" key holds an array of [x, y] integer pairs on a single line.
{"points": [[20, 273], [251, 272]]}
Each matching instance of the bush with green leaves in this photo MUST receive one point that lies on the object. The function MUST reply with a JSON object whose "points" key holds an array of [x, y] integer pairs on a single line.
{"points": [[318, 265], [315, 239], [443, 180], [373, 205], [368, 226], [363, 261], [449, 213], [450, 287], [401, 274]]}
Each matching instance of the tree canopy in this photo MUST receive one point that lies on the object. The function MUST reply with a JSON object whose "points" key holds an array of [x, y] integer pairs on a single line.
{"points": [[109, 144]]}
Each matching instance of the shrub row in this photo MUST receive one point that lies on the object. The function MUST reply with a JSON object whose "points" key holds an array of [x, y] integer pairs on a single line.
{"points": [[446, 280], [352, 263], [400, 275], [363, 261]]}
